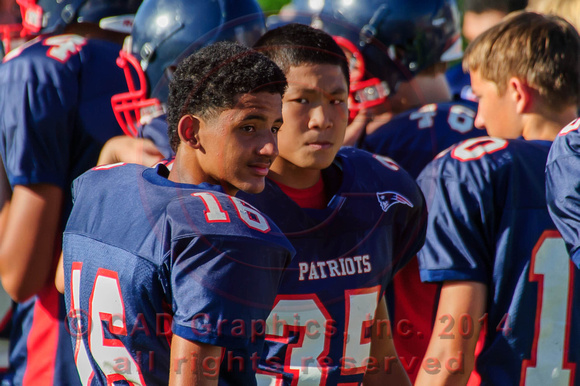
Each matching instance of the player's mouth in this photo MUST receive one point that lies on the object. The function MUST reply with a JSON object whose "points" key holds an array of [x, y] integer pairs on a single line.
{"points": [[261, 168], [320, 145]]}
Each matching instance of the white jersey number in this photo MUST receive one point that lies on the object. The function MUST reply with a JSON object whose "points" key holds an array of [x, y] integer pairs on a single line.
{"points": [[105, 305], [307, 315], [552, 269]]}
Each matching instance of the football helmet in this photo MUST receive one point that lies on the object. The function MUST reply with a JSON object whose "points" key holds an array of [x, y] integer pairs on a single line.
{"points": [[49, 16], [165, 32], [390, 41]]}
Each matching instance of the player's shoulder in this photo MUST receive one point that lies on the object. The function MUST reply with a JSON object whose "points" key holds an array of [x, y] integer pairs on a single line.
{"points": [[486, 156], [454, 118], [567, 142], [120, 173], [206, 210], [362, 162], [452, 114], [369, 172], [55, 54]]}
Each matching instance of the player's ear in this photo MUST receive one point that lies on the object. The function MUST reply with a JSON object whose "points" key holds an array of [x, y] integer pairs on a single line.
{"points": [[521, 93], [188, 129]]}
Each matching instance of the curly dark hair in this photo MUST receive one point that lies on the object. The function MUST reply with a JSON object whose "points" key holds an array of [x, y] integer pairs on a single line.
{"points": [[294, 44], [208, 82]]}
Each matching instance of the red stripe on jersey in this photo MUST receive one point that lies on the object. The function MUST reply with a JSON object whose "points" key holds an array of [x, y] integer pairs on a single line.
{"points": [[42, 342]]}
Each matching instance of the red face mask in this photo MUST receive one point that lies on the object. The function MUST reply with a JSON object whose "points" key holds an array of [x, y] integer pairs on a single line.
{"points": [[363, 93], [133, 108]]}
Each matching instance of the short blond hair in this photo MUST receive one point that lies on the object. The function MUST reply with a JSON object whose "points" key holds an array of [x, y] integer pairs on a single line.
{"points": [[542, 50]]}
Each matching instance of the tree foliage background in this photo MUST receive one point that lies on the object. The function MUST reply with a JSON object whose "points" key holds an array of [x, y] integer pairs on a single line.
{"points": [[272, 6]]}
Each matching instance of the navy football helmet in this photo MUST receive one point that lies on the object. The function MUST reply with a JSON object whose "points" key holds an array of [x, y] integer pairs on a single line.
{"points": [[389, 41], [166, 31], [48, 16]]}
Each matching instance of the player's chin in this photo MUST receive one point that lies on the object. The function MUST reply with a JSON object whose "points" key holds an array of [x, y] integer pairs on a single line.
{"points": [[319, 160], [252, 185]]}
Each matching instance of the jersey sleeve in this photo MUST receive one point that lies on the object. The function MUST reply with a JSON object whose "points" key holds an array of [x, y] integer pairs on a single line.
{"points": [[460, 206], [38, 112], [224, 270], [223, 288], [563, 187]]}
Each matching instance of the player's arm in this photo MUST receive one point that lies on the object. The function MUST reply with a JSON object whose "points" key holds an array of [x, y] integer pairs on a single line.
{"points": [[384, 366], [193, 363], [449, 340], [5, 197], [27, 244], [131, 150], [59, 277]]}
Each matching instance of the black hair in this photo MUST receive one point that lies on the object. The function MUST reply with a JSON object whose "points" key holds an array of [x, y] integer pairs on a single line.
{"points": [[209, 81], [294, 44], [506, 6]]}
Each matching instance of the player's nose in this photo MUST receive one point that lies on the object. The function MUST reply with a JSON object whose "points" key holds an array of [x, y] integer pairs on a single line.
{"points": [[269, 146], [320, 118]]}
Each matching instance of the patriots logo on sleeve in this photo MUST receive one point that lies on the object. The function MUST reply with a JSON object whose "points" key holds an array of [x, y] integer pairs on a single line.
{"points": [[388, 199]]}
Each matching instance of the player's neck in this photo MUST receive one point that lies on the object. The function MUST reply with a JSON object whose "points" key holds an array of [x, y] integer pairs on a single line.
{"points": [[293, 176], [186, 170], [546, 126]]}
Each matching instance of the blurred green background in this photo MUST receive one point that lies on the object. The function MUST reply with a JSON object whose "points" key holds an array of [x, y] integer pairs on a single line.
{"points": [[272, 6]]}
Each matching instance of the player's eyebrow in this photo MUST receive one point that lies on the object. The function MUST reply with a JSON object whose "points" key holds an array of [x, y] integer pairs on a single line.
{"points": [[337, 91], [258, 117]]}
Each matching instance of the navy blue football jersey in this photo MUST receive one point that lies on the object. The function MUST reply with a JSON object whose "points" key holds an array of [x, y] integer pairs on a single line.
{"points": [[56, 114], [145, 257], [563, 186], [415, 137], [488, 223], [319, 330]]}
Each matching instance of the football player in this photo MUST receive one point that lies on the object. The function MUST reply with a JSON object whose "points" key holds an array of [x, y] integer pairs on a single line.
{"points": [[150, 251], [403, 109], [490, 240], [54, 95], [355, 219]]}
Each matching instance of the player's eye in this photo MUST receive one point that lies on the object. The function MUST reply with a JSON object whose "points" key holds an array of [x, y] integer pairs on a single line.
{"points": [[302, 101], [248, 128], [337, 101], [275, 129]]}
